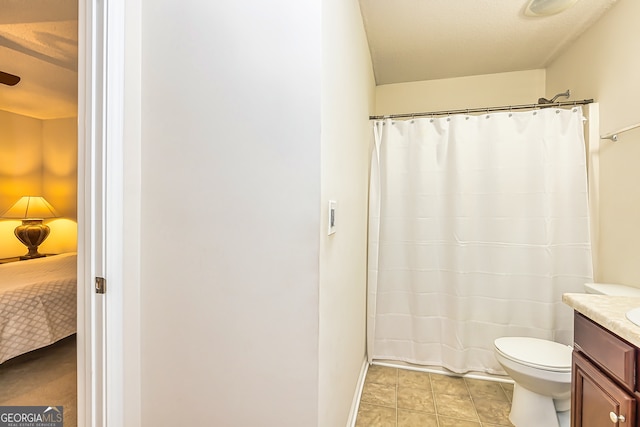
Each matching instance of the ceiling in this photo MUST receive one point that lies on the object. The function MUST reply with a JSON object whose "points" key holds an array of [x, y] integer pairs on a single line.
{"points": [[409, 40], [39, 43], [412, 40]]}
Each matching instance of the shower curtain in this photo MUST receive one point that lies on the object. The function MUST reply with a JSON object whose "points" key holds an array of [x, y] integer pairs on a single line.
{"points": [[477, 226]]}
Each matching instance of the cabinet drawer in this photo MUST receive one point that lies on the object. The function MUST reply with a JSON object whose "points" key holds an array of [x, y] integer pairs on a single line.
{"points": [[608, 351]]}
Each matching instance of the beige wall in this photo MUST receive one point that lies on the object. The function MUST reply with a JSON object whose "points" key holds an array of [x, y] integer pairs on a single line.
{"points": [[230, 212], [348, 91], [264, 312], [20, 158], [604, 64], [20, 171], [60, 165], [39, 157], [521, 87]]}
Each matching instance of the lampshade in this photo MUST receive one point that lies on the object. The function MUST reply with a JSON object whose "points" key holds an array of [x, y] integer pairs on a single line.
{"points": [[31, 207], [548, 7]]}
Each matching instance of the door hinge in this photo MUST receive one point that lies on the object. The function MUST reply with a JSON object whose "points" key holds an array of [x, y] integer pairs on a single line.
{"points": [[101, 285]]}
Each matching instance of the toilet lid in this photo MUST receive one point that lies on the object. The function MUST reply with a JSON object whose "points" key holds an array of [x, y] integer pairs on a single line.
{"points": [[536, 352]]}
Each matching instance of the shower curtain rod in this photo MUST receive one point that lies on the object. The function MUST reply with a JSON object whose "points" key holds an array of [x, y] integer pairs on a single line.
{"points": [[482, 110]]}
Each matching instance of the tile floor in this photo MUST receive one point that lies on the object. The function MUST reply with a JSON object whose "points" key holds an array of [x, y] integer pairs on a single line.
{"points": [[393, 397]]}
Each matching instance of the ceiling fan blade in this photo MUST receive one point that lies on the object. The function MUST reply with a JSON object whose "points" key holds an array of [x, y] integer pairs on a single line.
{"points": [[8, 79]]}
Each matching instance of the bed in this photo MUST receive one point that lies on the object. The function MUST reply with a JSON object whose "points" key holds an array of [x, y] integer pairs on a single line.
{"points": [[37, 303]]}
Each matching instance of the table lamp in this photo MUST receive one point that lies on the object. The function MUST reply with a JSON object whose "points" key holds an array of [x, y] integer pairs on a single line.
{"points": [[31, 210]]}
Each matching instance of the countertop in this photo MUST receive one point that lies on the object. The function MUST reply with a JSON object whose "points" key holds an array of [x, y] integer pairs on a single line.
{"points": [[609, 312]]}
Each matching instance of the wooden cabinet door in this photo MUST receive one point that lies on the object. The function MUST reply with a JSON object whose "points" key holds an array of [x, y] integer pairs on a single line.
{"points": [[596, 399]]}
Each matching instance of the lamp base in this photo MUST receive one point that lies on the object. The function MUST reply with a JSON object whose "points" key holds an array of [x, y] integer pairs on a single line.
{"points": [[32, 233]]}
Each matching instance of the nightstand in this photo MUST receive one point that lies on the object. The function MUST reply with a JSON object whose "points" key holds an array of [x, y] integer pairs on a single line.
{"points": [[17, 258]]}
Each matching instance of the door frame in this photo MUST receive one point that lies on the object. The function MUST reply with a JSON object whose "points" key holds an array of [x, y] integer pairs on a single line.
{"points": [[90, 351], [102, 246]]}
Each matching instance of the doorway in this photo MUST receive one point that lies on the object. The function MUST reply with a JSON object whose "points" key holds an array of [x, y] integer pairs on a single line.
{"points": [[39, 114]]}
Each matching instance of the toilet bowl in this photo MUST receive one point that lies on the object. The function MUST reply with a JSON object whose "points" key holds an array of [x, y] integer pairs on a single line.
{"points": [[541, 370]]}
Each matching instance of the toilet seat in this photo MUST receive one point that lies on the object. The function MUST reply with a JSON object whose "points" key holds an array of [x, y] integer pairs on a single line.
{"points": [[536, 353]]}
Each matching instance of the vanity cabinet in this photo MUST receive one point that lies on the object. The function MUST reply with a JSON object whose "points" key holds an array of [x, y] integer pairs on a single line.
{"points": [[604, 378]]}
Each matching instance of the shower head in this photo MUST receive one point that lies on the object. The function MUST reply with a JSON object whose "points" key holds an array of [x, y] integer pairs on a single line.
{"points": [[552, 100]]}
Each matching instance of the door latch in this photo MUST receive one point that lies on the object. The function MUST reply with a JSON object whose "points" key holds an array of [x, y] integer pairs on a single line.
{"points": [[101, 285]]}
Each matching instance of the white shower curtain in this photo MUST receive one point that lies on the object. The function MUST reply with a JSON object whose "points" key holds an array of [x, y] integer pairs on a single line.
{"points": [[477, 226]]}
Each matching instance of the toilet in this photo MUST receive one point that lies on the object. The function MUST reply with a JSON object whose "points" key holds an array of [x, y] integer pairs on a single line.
{"points": [[541, 370]]}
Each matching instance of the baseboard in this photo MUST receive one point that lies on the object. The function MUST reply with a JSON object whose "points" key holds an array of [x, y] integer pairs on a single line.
{"points": [[443, 371], [355, 404]]}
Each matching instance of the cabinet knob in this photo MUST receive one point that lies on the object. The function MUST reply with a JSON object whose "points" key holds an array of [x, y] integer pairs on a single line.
{"points": [[616, 418]]}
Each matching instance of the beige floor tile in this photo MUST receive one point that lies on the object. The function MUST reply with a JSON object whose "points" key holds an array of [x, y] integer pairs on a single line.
{"points": [[455, 407], [379, 394], [416, 399], [444, 384], [480, 389], [493, 411], [375, 416], [382, 375], [508, 390], [408, 418], [414, 379], [452, 422]]}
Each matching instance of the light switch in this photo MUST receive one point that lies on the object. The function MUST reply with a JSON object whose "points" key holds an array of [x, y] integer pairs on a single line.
{"points": [[332, 217]]}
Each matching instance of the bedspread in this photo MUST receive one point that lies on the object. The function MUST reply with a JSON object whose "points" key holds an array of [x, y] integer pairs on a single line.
{"points": [[37, 303]]}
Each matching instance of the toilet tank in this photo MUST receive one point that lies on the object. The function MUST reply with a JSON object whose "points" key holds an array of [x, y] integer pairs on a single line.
{"points": [[611, 289]]}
